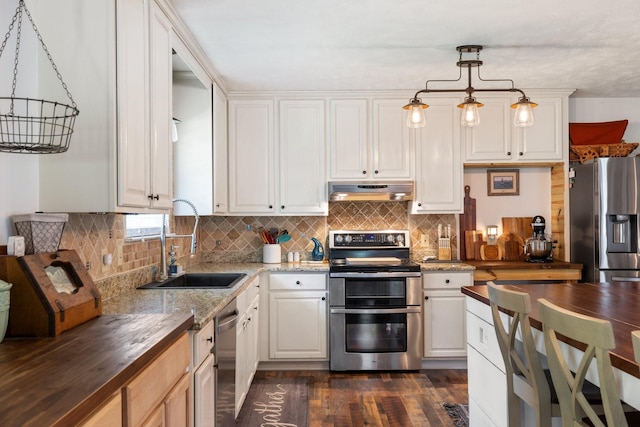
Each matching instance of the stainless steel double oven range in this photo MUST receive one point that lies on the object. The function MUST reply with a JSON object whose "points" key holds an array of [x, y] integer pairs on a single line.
{"points": [[375, 300]]}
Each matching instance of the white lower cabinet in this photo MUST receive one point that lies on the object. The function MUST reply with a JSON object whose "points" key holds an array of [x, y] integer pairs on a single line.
{"points": [[297, 316], [246, 341], [444, 313], [486, 376], [203, 369]]}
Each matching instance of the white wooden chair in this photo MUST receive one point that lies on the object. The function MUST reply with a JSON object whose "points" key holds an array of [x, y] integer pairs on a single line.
{"points": [[526, 379], [635, 339], [597, 334]]}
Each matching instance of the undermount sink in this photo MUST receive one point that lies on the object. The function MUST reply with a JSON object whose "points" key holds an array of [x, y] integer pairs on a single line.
{"points": [[198, 281]]}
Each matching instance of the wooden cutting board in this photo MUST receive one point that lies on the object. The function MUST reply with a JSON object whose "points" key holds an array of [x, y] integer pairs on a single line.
{"points": [[512, 247], [467, 223], [520, 226], [515, 231]]}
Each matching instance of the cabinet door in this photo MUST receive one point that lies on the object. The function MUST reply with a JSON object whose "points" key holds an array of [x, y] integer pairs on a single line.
{"points": [[348, 139], [302, 158], [391, 141], [177, 407], [438, 166], [298, 325], [220, 152], [204, 393], [251, 157], [444, 323], [492, 140], [144, 105], [160, 78], [108, 415], [543, 140], [133, 91], [241, 362], [253, 356]]}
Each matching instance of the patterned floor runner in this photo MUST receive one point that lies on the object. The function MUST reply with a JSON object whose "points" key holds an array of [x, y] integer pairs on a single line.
{"points": [[281, 401]]}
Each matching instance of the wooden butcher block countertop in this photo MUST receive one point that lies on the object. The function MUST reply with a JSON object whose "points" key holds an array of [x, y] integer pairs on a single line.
{"points": [[616, 302], [61, 380], [522, 270]]}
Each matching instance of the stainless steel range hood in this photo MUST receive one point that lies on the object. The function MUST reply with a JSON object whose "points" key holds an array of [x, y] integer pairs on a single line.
{"points": [[395, 191]]}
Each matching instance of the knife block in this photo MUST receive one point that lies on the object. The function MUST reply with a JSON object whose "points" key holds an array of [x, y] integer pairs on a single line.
{"points": [[43, 305], [444, 249]]}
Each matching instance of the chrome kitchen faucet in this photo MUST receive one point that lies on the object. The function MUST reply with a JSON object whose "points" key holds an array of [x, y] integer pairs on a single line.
{"points": [[164, 236]]}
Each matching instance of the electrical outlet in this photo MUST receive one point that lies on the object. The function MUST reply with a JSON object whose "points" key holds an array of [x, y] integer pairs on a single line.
{"points": [[424, 240], [119, 256], [103, 267]]}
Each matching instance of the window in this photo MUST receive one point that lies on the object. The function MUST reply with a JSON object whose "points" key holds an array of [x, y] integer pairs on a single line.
{"points": [[141, 225]]}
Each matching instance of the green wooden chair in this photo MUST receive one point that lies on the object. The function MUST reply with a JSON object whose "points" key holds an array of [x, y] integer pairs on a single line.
{"points": [[526, 379], [597, 334]]}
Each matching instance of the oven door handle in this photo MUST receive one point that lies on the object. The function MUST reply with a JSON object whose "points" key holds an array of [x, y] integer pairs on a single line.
{"points": [[378, 275], [413, 309]]}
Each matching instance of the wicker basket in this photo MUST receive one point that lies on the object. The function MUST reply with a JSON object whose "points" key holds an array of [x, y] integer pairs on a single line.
{"points": [[582, 153]]}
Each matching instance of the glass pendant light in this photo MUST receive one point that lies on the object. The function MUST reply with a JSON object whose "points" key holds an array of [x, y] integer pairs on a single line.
{"points": [[415, 114], [470, 116], [524, 112]]}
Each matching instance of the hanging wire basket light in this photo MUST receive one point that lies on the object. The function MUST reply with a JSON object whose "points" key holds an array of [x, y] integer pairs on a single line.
{"points": [[34, 126]]}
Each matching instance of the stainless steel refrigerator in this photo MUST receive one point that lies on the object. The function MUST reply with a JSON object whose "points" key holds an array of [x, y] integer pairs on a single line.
{"points": [[605, 205]]}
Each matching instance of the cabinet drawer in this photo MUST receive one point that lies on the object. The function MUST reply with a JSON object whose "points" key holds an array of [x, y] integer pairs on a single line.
{"points": [[298, 281], [202, 343], [448, 280], [147, 390], [482, 337]]}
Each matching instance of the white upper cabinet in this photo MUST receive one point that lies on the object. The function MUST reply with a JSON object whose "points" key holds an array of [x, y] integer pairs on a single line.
{"points": [[369, 140], [283, 177], [439, 172], [251, 157], [119, 158], [349, 139], [497, 140], [302, 152], [492, 139], [144, 72]]}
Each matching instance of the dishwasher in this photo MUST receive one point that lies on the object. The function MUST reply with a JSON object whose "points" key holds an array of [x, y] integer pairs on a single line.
{"points": [[225, 374]]}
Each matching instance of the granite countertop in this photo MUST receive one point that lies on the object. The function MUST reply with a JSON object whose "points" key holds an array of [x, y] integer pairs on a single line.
{"points": [[203, 304]]}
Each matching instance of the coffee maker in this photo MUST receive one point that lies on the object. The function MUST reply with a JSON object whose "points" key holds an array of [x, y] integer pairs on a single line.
{"points": [[538, 247]]}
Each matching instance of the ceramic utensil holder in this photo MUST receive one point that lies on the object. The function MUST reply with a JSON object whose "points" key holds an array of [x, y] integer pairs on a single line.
{"points": [[271, 254], [4, 307]]}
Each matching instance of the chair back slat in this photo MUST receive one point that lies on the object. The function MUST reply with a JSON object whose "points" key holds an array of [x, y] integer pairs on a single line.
{"points": [[523, 364], [597, 334]]}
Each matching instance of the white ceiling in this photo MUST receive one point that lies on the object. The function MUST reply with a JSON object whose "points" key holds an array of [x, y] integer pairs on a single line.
{"points": [[592, 46]]}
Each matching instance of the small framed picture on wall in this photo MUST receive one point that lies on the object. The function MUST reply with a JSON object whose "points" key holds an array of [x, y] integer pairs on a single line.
{"points": [[503, 182]]}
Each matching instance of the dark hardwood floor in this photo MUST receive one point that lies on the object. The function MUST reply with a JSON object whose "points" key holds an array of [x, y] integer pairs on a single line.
{"points": [[402, 399]]}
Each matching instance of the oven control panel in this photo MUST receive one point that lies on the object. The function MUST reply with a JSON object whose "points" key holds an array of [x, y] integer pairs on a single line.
{"points": [[368, 239]]}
